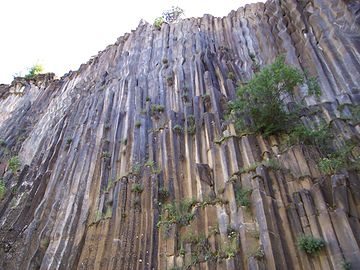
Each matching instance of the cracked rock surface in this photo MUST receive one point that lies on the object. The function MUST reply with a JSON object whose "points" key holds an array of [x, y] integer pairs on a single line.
{"points": [[105, 149]]}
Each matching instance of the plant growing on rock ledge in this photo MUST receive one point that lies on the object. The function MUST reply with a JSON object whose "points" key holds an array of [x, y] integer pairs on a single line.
{"points": [[137, 188], [178, 129], [310, 244], [259, 106], [34, 71], [137, 124], [2, 189], [180, 214], [14, 164], [257, 253], [106, 155], [339, 160], [242, 196], [158, 22]]}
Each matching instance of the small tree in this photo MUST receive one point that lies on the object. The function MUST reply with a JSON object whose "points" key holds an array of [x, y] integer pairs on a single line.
{"points": [[259, 106], [34, 70]]}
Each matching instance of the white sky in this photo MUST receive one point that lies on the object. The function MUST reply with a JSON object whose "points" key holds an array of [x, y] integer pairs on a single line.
{"points": [[61, 35]]}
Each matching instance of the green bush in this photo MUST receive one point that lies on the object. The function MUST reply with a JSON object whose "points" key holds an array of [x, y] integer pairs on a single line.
{"points": [[178, 129], [339, 160], [34, 71], [137, 188], [259, 107], [346, 265], [310, 245], [331, 164], [2, 189], [231, 75], [158, 22], [242, 196], [14, 164], [180, 214], [257, 253], [136, 169], [163, 194], [2, 143], [191, 125], [106, 155], [157, 108], [170, 81], [320, 137]]}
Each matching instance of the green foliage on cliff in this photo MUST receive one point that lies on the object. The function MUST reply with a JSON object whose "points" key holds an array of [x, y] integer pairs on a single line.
{"points": [[259, 106], [310, 244], [34, 70], [14, 164], [2, 189], [242, 196], [174, 213], [340, 159], [158, 22], [137, 188]]}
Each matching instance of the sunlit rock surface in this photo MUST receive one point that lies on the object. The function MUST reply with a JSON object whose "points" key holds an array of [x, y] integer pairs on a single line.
{"points": [[85, 140]]}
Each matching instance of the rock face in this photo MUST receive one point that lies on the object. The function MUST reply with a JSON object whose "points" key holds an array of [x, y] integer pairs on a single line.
{"points": [[106, 150]]}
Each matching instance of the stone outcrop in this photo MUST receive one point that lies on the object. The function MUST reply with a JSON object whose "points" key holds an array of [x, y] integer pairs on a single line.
{"points": [[106, 149]]}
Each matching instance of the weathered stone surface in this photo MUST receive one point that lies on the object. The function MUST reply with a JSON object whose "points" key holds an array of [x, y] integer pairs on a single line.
{"points": [[142, 124]]}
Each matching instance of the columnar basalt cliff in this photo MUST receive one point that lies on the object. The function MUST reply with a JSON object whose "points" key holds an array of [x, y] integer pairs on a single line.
{"points": [[130, 162]]}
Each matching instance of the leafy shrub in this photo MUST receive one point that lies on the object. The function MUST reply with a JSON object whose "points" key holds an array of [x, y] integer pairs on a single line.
{"points": [[191, 126], [14, 164], [310, 245], [231, 76], [231, 232], [180, 214], [320, 137], [137, 188], [98, 216], [257, 253], [136, 169], [272, 164], [242, 196], [346, 265], [106, 155], [137, 124], [34, 71], [157, 108], [163, 194], [178, 129], [339, 160], [331, 164], [258, 107], [2, 143], [153, 168], [2, 189], [170, 81], [158, 22]]}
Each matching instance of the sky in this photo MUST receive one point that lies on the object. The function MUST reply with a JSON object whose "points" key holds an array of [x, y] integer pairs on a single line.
{"points": [[61, 35]]}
